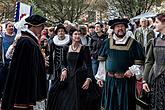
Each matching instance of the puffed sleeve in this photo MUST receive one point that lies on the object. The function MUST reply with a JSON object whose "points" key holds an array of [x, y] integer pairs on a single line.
{"points": [[139, 59], [10, 51], [103, 50], [101, 73], [140, 55]]}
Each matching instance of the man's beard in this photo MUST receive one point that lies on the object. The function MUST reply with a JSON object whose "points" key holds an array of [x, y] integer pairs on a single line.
{"points": [[61, 37], [120, 36]]}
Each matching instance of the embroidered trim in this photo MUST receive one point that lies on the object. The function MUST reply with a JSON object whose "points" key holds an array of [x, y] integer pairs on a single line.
{"points": [[138, 62], [121, 47]]}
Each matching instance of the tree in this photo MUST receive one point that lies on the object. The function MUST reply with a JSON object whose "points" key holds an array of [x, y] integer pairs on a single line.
{"points": [[63, 9], [101, 7], [131, 8], [7, 9]]}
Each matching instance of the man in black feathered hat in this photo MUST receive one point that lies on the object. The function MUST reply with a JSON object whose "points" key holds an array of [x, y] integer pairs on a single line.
{"points": [[123, 57], [26, 82]]}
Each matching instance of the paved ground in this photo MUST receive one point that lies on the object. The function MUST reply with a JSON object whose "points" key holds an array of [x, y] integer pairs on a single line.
{"points": [[39, 106]]}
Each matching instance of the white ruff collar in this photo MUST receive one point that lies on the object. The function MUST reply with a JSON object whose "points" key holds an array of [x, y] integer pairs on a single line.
{"points": [[59, 42], [120, 40]]}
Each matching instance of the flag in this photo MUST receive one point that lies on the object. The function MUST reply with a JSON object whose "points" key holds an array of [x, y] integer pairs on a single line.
{"points": [[22, 10]]}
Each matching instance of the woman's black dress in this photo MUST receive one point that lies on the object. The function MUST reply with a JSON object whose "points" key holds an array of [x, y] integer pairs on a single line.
{"points": [[69, 95]]}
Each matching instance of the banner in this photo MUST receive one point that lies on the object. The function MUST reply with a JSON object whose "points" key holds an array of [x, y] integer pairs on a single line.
{"points": [[22, 10]]}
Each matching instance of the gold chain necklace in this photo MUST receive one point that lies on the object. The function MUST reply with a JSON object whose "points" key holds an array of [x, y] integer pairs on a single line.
{"points": [[74, 49]]}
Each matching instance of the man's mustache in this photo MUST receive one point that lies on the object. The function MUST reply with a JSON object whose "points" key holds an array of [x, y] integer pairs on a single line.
{"points": [[120, 30]]}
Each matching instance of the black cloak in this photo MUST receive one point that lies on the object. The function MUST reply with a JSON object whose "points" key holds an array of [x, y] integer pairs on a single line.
{"points": [[26, 81]]}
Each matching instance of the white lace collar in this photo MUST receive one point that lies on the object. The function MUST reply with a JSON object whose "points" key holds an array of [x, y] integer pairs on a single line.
{"points": [[59, 42]]}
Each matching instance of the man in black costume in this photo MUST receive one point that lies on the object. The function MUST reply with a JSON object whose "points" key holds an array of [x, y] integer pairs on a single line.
{"points": [[56, 51], [26, 81]]}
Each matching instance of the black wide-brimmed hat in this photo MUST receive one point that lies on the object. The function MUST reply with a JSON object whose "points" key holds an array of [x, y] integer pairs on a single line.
{"points": [[60, 26], [35, 20], [114, 22]]}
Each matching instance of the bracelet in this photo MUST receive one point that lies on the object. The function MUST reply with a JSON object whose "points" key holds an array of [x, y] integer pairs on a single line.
{"points": [[90, 79]]}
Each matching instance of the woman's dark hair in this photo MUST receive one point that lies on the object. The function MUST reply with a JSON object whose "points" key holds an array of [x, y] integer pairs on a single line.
{"points": [[7, 23], [161, 17], [101, 25], [72, 30]]}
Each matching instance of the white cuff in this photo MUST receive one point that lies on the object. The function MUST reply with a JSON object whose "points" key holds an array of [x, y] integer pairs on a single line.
{"points": [[137, 70]]}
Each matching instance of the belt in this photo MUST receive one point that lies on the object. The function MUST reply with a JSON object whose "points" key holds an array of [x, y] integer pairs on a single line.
{"points": [[116, 75]]}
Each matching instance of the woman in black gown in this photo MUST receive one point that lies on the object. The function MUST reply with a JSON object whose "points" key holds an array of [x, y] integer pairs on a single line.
{"points": [[70, 91]]}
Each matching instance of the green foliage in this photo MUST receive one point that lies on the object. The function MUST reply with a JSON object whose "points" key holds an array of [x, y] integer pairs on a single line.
{"points": [[100, 5], [7, 9], [35, 10], [132, 8], [62, 9], [91, 16]]}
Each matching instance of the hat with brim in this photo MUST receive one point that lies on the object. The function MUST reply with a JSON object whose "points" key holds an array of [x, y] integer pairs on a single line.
{"points": [[60, 26], [114, 22], [35, 20]]}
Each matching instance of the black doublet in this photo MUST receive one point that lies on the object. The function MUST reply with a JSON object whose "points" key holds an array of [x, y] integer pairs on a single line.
{"points": [[55, 60]]}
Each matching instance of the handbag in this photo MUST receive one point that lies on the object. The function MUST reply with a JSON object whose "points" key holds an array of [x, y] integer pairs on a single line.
{"points": [[143, 100]]}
